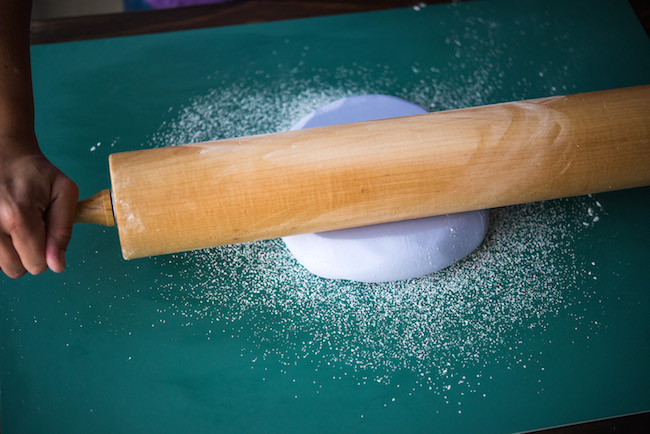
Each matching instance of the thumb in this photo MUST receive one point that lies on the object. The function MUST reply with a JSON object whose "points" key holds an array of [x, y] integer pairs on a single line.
{"points": [[58, 221]]}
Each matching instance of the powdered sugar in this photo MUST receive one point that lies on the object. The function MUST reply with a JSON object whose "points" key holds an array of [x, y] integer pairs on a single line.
{"points": [[442, 333], [437, 328], [466, 317]]}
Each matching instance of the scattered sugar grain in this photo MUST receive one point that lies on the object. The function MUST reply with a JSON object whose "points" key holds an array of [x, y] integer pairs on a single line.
{"points": [[467, 317]]}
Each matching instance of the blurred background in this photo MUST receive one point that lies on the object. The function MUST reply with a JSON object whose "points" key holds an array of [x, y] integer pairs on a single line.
{"points": [[49, 9]]}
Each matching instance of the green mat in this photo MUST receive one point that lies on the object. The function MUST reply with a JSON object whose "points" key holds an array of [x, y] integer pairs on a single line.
{"points": [[546, 324]]}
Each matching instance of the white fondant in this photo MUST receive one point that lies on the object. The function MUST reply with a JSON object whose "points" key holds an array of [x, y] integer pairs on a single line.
{"points": [[390, 251]]}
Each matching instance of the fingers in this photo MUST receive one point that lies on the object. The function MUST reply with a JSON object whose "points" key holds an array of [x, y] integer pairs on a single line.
{"points": [[37, 205], [22, 240], [34, 234], [58, 222], [9, 260]]}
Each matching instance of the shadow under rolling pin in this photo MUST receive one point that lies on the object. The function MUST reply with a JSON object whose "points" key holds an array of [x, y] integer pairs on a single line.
{"points": [[180, 198]]}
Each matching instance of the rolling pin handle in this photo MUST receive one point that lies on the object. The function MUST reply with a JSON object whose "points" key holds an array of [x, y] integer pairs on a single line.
{"points": [[97, 209]]}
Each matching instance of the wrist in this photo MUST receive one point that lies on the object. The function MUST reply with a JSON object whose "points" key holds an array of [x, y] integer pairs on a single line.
{"points": [[16, 119], [14, 144]]}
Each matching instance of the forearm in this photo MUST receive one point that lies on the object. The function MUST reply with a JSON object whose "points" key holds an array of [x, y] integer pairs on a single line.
{"points": [[37, 201], [16, 100]]}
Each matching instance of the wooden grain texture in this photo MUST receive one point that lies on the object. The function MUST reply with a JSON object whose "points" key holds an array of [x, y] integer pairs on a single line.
{"points": [[96, 209], [230, 191]]}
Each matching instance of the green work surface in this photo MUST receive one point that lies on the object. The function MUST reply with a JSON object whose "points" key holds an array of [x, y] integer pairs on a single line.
{"points": [[545, 324]]}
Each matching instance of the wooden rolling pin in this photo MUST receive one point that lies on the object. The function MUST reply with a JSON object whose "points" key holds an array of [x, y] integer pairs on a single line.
{"points": [[200, 195]]}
